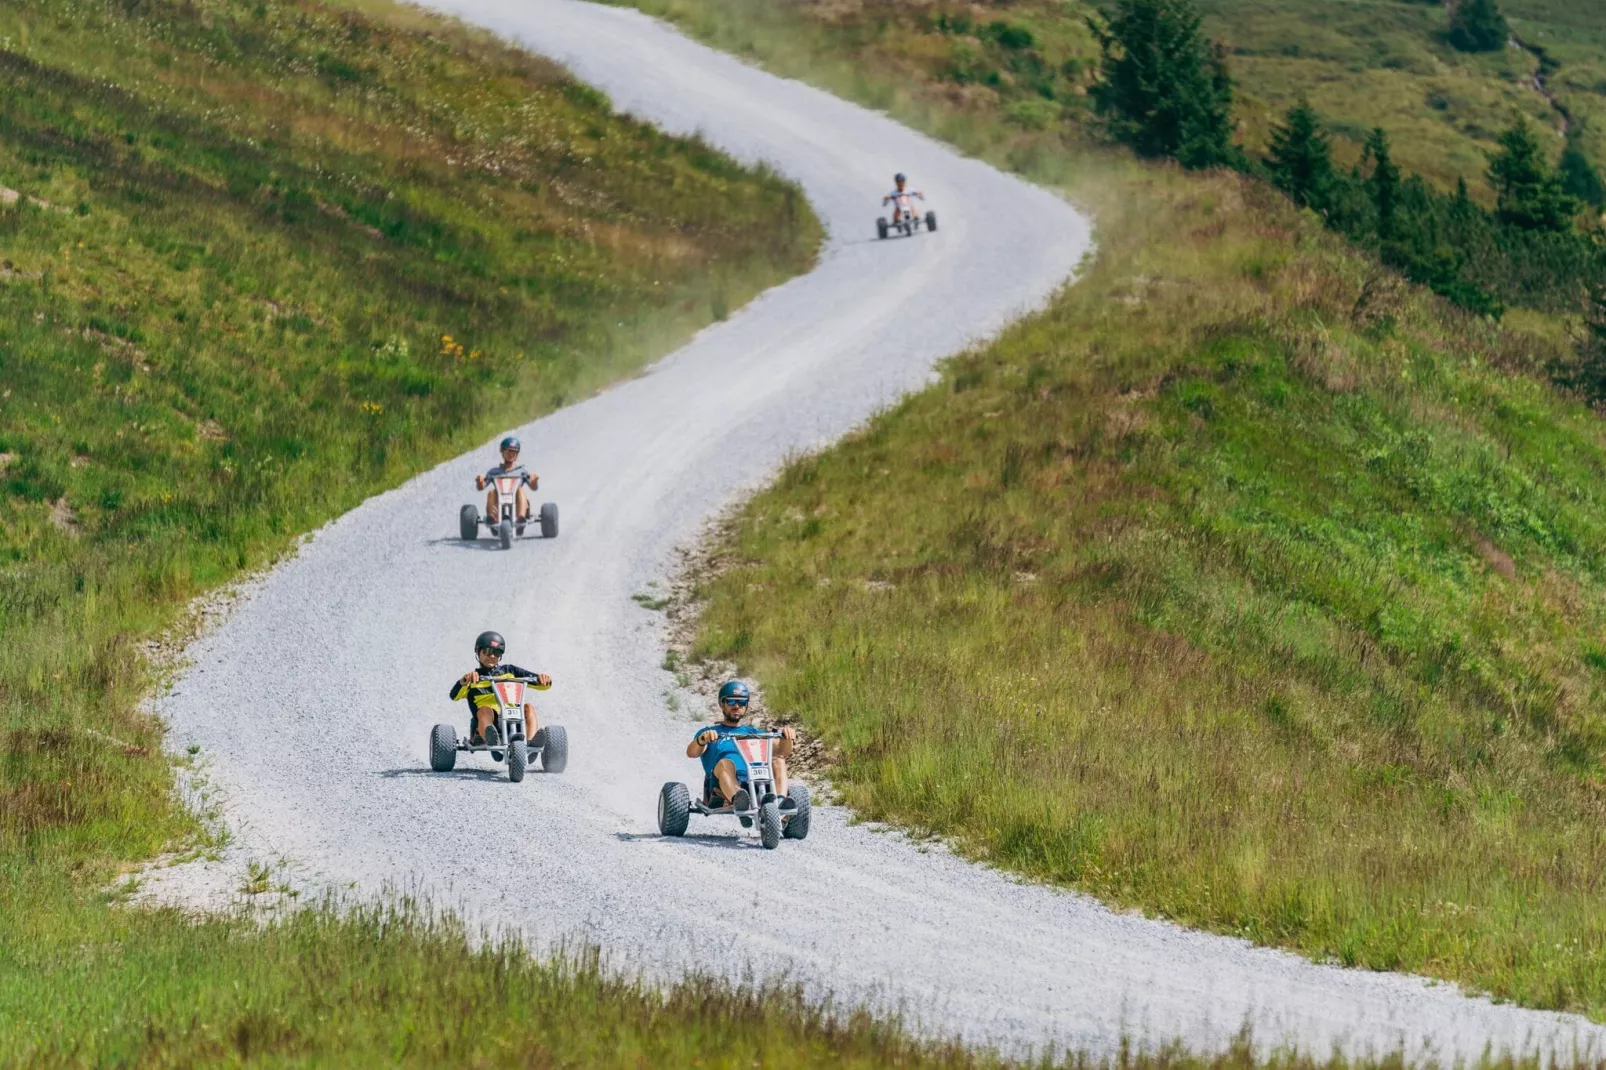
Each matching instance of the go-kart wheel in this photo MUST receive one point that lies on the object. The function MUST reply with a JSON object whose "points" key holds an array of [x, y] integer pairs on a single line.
{"points": [[674, 809], [795, 825], [468, 523], [881, 228], [931, 220], [517, 759], [549, 520], [443, 748], [554, 743], [505, 530], [769, 825]]}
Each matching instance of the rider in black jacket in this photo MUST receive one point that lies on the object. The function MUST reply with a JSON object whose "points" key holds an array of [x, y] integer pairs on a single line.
{"points": [[475, 686]]}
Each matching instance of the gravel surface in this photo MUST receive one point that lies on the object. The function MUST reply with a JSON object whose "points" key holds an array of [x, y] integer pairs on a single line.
{"points": [[312, 704]]}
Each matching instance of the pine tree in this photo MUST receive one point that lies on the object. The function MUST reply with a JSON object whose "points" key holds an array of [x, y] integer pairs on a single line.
{"points": [[1529, 194], [1162, 88], [1579, 179], [1478, 26], [1384, 185], [1588, 374], [1301, 159]]}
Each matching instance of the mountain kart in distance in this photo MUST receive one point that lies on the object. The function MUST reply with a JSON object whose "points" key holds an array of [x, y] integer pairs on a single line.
{"points": [[908, 220], [675, 804], [550, 744], [505, 524]]}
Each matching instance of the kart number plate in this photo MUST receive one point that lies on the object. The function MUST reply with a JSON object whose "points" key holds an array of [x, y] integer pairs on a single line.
{"points": [[756, 751], [511, 692], [506, 486]]}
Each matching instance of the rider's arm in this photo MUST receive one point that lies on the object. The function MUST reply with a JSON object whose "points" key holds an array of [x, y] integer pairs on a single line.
{"points": [[514, 670], [459, 689], [695, 748]]}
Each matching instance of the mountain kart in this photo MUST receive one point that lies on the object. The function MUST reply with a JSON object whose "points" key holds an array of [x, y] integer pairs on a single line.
{"points": [[905, 220], [675, 804], [505, 524], [550, 744]]}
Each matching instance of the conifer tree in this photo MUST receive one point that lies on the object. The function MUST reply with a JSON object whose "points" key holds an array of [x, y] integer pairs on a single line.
{"points": [[1579, 179], [1384, 185], [1588, 374], [1478, 26], [1162, 88], [1301, 159], [1529, 195]]}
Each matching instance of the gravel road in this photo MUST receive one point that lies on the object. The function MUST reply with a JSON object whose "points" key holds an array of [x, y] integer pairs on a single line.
{"points": [[378, 612]]}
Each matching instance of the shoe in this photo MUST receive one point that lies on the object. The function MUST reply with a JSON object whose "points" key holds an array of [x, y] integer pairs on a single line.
{"points": [[788, 804], [741, 802], [489, 737], [746, 821]]}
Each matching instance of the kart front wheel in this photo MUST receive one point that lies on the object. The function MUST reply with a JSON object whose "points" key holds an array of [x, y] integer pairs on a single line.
{"points": [[468, 523], [931, 220], [443, 748], [517, 759], [769, 825], [505, 530], [674, 809], [796, 824], [549, 520], [554, 743], [881, 228]]}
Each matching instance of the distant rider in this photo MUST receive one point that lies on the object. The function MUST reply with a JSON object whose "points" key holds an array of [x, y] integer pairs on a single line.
{"points": [[897, 195], [475, 686], [510, 466], [722, 758]]}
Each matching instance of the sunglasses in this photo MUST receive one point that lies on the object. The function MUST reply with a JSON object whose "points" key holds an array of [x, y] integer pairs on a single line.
{"points": [[736, 703], [490, 653]]}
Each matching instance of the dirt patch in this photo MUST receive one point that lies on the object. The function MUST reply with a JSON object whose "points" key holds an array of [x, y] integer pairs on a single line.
{"points": [[63, 517], [1496, 558]]}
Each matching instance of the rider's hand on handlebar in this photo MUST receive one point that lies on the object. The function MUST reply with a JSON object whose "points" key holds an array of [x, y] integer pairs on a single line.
{"points": [[479, 482], [705, 738], [543, 680], [471, 678], [789, 733]]}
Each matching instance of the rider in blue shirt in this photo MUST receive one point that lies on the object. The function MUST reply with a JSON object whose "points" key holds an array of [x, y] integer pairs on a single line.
{"points": [[722, 758]]}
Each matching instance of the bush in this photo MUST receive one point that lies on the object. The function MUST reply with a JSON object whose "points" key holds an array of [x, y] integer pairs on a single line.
{"points": [[1478, 26]]}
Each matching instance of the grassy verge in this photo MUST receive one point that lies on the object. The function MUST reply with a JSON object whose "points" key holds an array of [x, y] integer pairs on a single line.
{"points": [[1245, 585]]}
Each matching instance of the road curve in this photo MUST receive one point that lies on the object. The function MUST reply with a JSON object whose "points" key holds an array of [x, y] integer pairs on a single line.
{"points": [[383, 604]]}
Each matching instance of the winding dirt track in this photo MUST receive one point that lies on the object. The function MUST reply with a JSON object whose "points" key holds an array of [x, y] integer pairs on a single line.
{"points": [[861, 913]]}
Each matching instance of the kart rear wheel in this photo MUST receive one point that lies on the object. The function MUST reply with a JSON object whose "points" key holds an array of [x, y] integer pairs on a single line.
{"points": [[769, 825], [443, 748], [931, 220], [881, 228], [674, 809], [549, 520], [796, 825], [505, 530], [554, 744], [468, 523], [517, 759]]}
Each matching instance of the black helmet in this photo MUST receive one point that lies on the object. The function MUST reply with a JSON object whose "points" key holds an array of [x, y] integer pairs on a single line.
{"points": [[510, 443], [899, 177], [491, 641]]}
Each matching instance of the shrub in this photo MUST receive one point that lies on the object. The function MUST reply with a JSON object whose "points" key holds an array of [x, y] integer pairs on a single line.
{"points": [[1478, 26]]}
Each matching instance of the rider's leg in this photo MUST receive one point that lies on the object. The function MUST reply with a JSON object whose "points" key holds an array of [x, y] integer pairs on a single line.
{"points": [[530, 724], [482, 716], [490, 506], [522, 509], [778, 764], [725, 773]]}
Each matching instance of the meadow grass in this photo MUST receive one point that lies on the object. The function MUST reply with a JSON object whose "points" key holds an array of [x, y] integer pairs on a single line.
{"points": [[1245, 585]]}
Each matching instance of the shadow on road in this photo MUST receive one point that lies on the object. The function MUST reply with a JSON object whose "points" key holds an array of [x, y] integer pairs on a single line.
{"points": [[724, 843], [413, 770]]}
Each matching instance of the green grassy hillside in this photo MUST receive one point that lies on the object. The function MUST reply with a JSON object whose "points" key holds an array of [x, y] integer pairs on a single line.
{"points": [[1245, 585]]}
